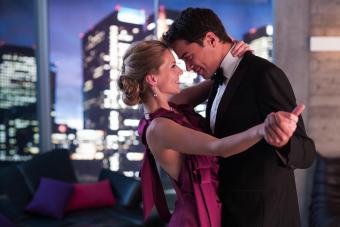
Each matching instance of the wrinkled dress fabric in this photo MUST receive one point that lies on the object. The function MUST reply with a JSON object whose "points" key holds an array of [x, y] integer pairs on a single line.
{"points": [[197, 202]]}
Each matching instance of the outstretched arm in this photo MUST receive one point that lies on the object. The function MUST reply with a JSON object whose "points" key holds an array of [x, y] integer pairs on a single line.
{"points": [[165, 134]]}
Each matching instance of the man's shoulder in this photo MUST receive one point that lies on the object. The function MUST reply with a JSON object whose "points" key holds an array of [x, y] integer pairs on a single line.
{"points": [[260, 63], [262, 67]]}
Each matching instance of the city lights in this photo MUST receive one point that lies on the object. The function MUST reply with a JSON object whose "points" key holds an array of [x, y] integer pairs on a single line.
{"points": [[18, 102]]}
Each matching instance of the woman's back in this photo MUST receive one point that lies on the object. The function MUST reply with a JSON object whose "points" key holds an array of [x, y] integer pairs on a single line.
{"points": [[197, 203]]}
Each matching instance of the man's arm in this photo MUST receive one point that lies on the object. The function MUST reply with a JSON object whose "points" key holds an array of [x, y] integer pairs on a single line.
{"points": [[275, 94]]}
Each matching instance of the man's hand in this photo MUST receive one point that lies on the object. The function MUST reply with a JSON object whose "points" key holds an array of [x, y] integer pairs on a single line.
{"points": [[280, 126]]}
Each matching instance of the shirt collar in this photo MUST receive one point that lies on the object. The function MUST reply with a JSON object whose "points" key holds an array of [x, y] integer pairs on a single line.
{"points": [[229, 64]]}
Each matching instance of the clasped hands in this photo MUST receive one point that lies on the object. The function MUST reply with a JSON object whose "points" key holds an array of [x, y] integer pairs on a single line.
{"points": [[280, 126]]}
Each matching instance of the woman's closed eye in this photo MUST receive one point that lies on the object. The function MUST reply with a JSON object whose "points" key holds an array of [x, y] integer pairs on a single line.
{"points": [[173, 65]]}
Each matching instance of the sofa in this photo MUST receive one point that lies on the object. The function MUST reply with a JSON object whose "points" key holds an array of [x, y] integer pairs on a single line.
{"points": [[19, 183], [325, 204]]}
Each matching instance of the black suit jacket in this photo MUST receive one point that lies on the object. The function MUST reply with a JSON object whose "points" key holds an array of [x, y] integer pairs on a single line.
{"points": [[257, 187]]}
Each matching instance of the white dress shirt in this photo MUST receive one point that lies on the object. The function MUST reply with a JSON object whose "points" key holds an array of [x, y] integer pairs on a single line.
{"points": [[229, 65]]}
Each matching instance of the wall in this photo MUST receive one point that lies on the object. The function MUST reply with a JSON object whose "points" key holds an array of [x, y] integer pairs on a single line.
{"points": [[325, 80], [315, 76]]}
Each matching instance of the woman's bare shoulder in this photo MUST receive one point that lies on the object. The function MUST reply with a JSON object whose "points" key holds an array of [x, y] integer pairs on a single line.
{"points": [[159, 125]]}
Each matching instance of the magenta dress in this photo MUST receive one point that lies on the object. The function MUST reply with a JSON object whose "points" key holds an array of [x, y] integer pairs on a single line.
{"points": [[197, 202]]}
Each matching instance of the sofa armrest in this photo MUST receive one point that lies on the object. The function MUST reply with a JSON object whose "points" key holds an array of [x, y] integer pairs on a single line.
{"points": [[325, 203], [126, 189], [14, 188], [7, 208]]}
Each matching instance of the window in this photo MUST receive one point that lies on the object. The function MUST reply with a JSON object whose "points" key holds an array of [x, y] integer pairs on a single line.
{"points": [[19, 130]]}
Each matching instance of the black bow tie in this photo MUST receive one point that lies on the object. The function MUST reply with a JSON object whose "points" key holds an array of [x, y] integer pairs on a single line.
{"points": [[219, 77]]}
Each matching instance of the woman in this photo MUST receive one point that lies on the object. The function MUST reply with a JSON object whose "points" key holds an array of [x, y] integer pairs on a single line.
{"points": [[174, 134]]}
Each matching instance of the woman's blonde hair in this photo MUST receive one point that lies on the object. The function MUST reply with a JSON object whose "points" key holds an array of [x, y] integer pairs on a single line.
{"points": [[140, 59]]}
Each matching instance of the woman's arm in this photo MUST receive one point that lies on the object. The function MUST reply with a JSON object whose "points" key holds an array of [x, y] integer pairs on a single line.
{"points": [[193, 95], [164, 134]]}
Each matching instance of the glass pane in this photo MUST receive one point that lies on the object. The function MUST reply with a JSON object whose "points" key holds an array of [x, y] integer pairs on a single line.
{"points": [[248, 20], [87, 42], [19, 133], [91, 119]]}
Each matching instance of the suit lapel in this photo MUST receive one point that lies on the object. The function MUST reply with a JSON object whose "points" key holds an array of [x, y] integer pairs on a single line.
{"points": [[230, 90]]}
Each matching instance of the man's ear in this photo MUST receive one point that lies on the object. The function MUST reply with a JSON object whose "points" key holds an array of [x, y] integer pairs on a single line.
{"points": [[211, 39], [151, 80]]}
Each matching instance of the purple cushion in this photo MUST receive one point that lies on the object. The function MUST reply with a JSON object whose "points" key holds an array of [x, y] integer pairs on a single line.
{"points": [[51, 198]]}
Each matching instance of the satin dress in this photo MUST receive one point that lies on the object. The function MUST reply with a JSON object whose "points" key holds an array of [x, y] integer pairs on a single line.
{"points": [[197, 202]]}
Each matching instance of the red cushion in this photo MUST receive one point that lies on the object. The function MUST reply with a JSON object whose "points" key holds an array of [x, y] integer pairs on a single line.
{"points": [[91, 195]]}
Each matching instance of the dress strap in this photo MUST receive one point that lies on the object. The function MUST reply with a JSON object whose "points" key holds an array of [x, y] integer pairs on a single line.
{"points": [[152, 188], [150, 177]]}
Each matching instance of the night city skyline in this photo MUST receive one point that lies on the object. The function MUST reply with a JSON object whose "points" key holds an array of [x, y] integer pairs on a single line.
{"points": [[68, 21]]}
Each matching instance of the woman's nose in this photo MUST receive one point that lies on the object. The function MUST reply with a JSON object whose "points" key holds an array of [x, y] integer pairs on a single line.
{"points": [[180, 71]]}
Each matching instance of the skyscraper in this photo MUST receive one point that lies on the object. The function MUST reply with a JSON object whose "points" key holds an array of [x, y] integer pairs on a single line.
{"points": [[18, 124], [103, 48], [19, 131], [165, 19], [261, 40]]}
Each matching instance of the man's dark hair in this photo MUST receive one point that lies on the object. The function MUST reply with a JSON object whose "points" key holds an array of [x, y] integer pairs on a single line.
{"points": [[193, 24]]}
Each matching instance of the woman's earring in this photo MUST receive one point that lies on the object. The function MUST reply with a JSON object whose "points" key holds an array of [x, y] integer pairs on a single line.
{"points": [[153, 90]]}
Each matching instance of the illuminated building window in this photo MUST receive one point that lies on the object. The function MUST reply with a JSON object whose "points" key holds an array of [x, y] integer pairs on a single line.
{"points": [[103, 105], [114, 120]]}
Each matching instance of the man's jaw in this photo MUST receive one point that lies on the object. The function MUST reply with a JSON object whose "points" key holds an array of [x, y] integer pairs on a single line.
{"points": [[204, 74]]}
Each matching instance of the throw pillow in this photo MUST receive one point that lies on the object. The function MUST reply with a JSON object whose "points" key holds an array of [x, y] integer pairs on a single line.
{"points": [[51, 198], [91, 195]]}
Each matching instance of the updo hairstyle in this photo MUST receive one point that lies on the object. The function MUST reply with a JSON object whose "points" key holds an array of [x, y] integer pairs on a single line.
{"points": [[142, 58]]}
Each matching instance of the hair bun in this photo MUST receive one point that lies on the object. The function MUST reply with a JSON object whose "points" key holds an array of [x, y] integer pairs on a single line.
{"points": [[131, 90]]}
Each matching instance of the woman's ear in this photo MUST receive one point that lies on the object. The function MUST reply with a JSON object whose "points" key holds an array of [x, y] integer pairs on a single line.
{"points": [[151, 80]]}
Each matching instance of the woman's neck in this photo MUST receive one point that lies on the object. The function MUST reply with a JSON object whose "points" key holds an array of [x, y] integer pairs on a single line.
{"points": [[155, 103]]}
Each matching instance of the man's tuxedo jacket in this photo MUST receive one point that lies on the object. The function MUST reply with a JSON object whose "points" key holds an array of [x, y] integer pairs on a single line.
{"points": [[257, 187]]}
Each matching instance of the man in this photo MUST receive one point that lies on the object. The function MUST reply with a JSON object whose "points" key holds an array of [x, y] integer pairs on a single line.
{"points": [[257, 187]]}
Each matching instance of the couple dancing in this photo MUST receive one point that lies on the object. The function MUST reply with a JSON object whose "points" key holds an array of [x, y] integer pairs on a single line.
{"points": [[234, 168]]}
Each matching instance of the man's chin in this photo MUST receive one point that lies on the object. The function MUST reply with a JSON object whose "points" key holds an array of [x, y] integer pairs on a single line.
{"points": [[206, 77]]}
